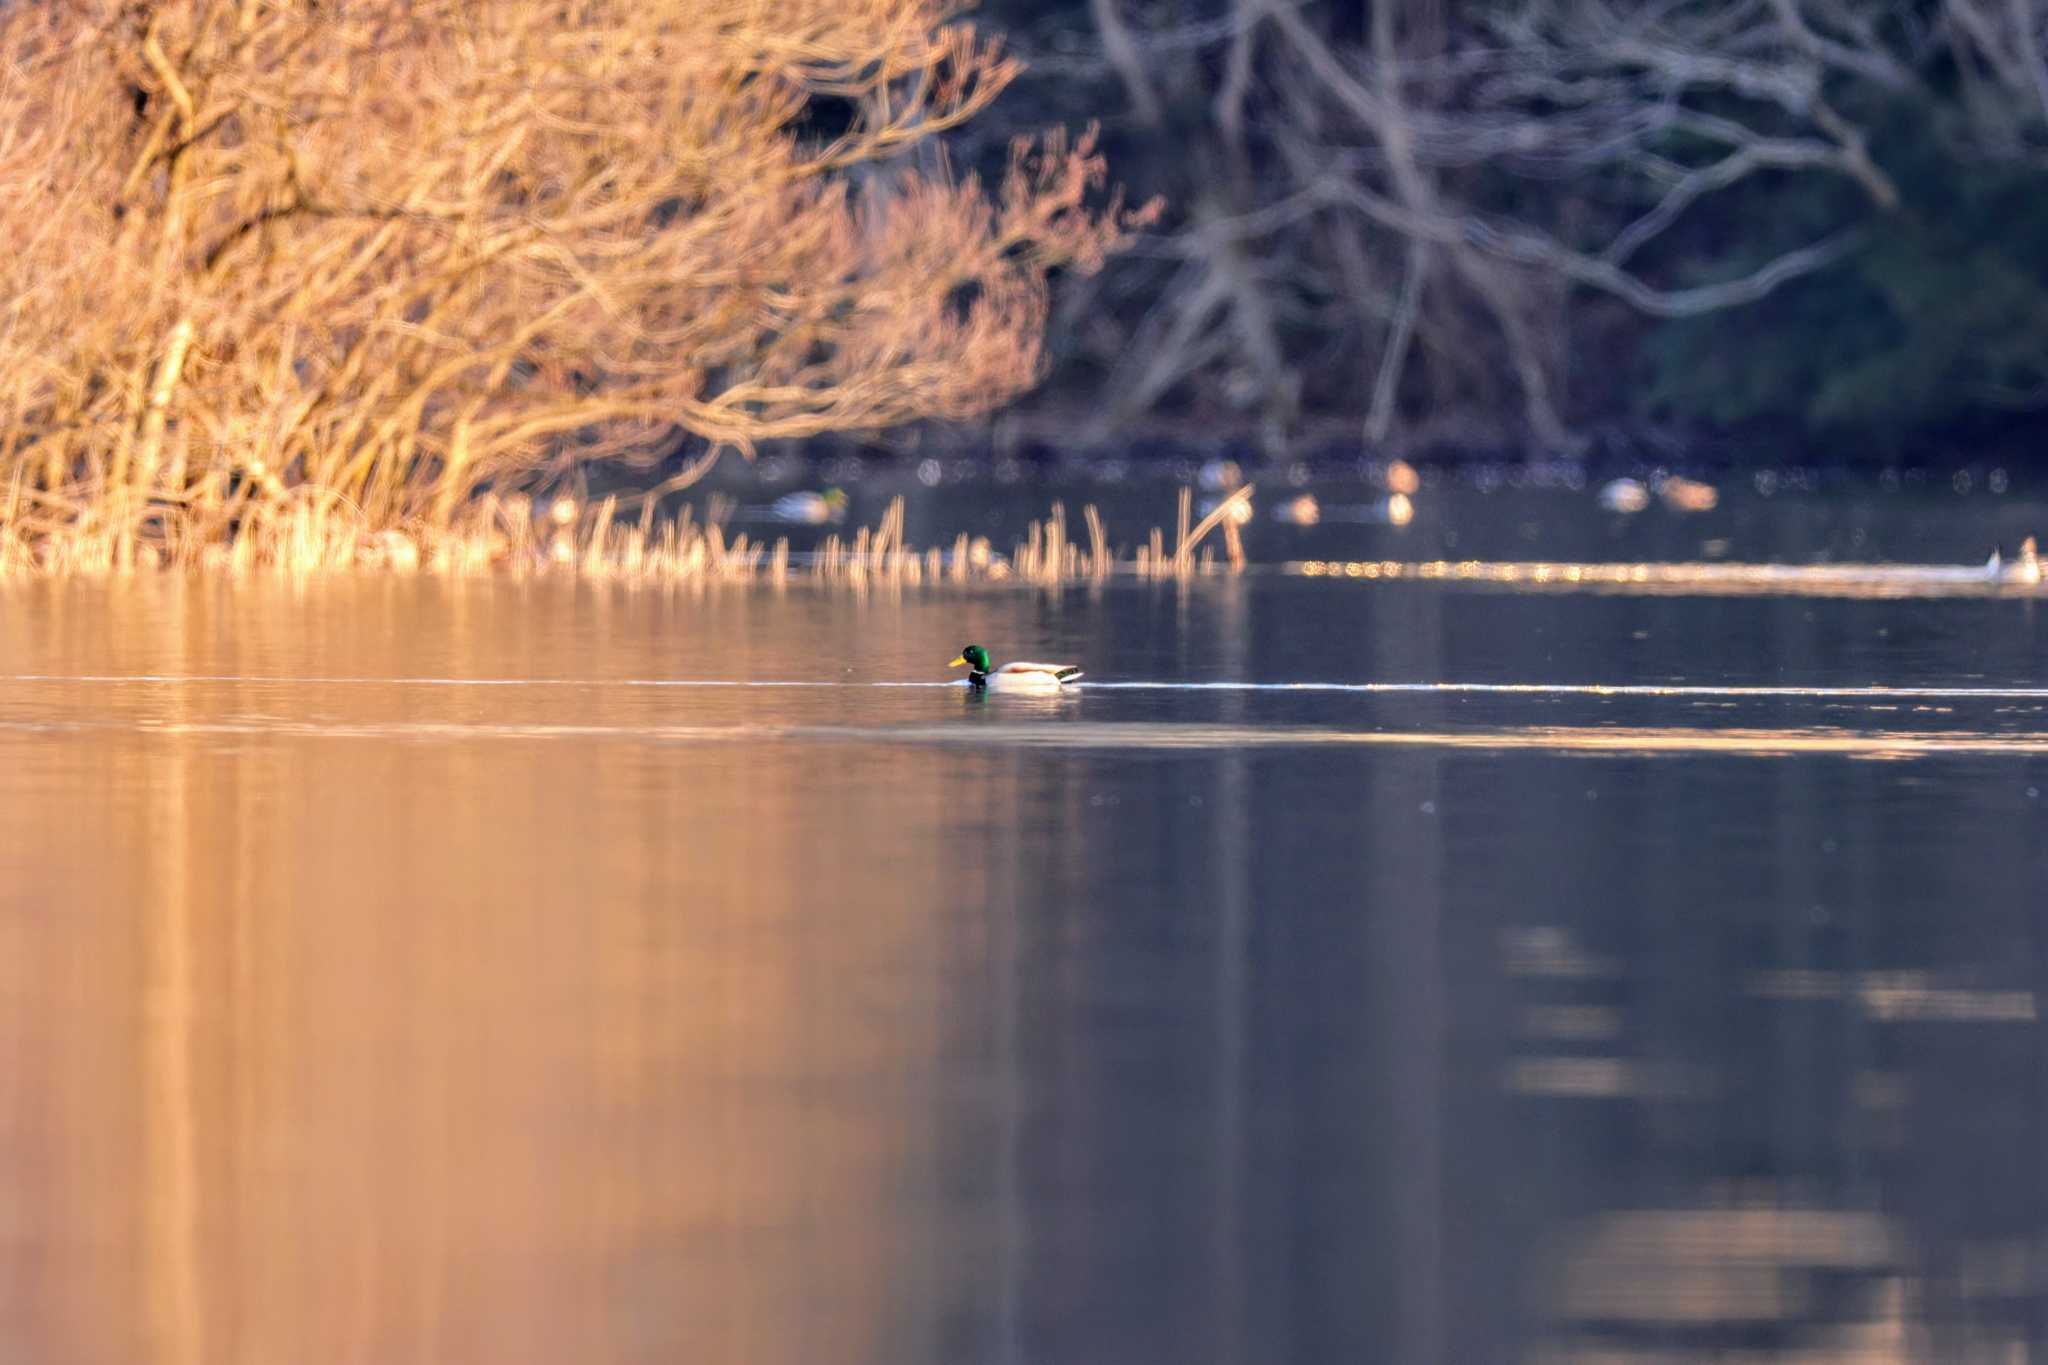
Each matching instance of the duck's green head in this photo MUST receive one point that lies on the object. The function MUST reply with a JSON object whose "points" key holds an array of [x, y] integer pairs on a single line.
{"points": [[974, 657]]}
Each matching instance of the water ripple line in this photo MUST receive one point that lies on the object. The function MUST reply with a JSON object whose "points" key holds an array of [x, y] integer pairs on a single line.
{"points": [[1730, 691], [1126, 736]]}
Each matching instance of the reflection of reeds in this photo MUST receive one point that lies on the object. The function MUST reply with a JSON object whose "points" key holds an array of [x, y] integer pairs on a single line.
{"points": [[327, 534]]}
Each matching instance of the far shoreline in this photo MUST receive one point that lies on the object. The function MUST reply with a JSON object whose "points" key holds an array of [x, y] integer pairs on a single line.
{"points": [[1055, 434]]}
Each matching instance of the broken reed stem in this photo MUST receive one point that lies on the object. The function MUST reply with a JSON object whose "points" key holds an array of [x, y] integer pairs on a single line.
{"points": [[1225, 513]]}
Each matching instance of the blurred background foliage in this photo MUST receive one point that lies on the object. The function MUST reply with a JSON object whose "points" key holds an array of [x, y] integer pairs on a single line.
{"points": [[1435, 224]]}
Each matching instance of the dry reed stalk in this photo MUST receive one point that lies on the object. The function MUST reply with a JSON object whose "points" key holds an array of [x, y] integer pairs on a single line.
{"points": [[315, 535], [595, 556], [1221, 514]]}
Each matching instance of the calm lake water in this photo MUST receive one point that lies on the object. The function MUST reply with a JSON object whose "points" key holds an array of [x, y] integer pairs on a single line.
{"points": [[496, 972]]}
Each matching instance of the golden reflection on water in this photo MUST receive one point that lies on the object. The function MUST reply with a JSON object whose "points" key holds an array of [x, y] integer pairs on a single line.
{"points": [[412, 1078], [459, 1051], [1695, 579]]}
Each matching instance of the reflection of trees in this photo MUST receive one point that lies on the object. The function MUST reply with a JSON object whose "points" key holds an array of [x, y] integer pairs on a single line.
{"points": [[171, 1037], [1772, 1060]]}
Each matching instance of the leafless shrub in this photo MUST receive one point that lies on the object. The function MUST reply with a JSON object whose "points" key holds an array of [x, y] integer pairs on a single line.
{"points": [[358, 262]]}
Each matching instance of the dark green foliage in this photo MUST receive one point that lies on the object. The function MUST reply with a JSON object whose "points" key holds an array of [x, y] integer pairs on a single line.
{"points": [[1942, 316]]}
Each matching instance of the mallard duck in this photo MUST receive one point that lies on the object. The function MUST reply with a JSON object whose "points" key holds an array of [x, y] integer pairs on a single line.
{"points": [[1013, 677]]}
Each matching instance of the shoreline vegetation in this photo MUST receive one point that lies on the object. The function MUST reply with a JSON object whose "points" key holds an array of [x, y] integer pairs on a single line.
{"points": [[516, 537], [360, 285], [323, 286]]}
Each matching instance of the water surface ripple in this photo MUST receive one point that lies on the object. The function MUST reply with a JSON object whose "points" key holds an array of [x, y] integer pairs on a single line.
{"points": [[535, 972]]}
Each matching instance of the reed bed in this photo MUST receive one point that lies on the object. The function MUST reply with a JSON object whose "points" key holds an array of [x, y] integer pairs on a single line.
{"points": [[308, 535]]}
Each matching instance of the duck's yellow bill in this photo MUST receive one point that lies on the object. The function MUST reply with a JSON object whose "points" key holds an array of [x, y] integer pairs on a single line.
{"points": [[957, 663]]}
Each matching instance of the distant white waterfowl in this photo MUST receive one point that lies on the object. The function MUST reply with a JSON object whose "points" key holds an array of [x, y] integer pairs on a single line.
{"points": [[1687, 495], [809, 509], [1680, 494], [1013, 677], [2026, 568], [1627, 496], [1301, 510], [1396, 509]]}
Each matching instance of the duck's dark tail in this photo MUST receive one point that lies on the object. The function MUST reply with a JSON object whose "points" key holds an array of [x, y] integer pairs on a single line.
{"points": [[1067, 675]]}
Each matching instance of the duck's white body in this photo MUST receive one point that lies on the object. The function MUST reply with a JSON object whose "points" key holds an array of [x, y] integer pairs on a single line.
{"points": [[1627, 496], [1025, 676]]}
